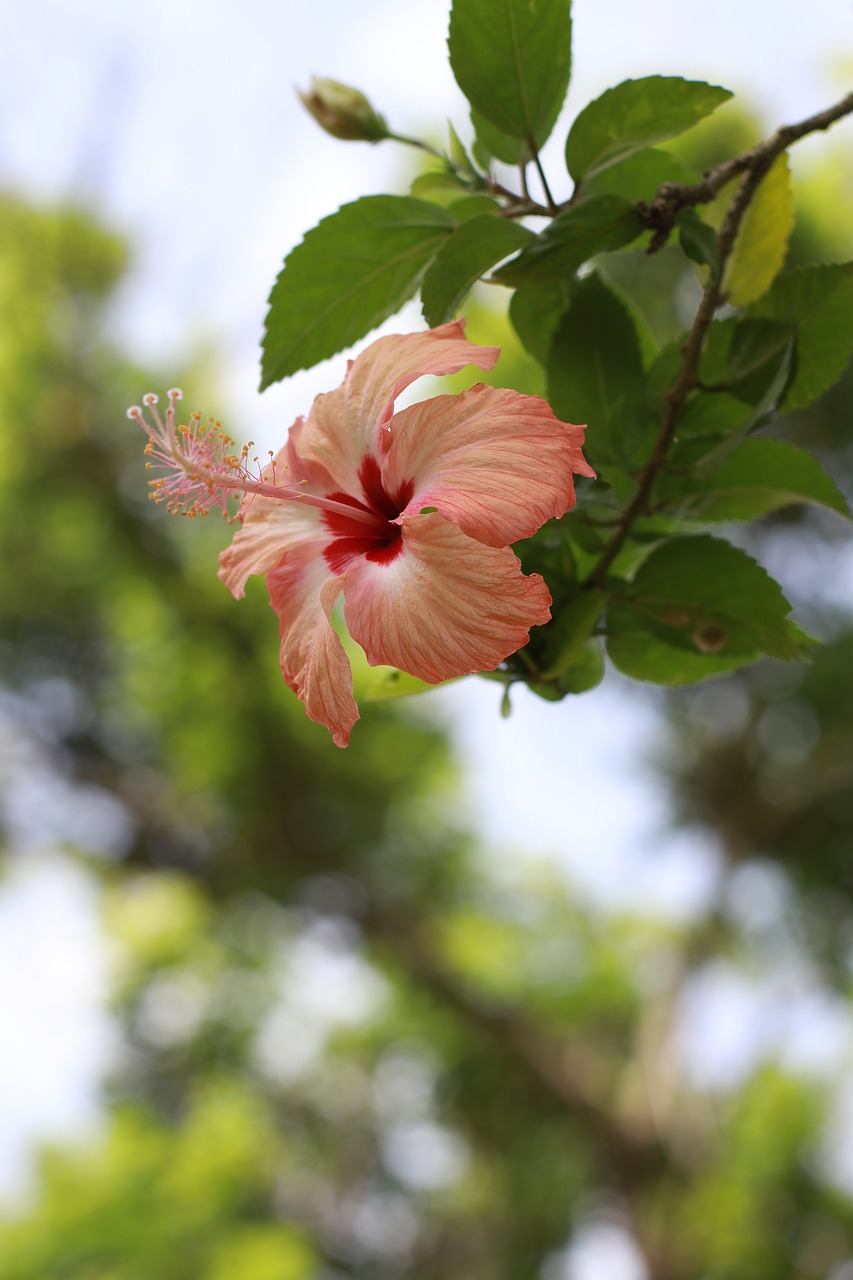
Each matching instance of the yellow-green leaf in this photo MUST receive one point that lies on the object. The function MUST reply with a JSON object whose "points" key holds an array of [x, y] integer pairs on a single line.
{"points": [[762, 241], [378, 684]]}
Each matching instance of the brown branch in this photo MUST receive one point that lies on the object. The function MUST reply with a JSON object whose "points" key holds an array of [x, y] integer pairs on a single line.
{"points": [[672, 197], [753, 164]]}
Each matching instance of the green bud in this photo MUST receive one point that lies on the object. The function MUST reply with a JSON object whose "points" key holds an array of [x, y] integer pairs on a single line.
{"points": [[343, 112]]}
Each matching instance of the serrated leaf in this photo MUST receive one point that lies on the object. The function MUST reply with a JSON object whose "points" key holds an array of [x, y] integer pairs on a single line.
{"points": [[352, 271], [757, 477], [595, 372], [512, 60], [634, 115], [577, 234], [819, 300], [639, 176], [762, 240], [535, 313], [461, 261], [696, 606]]}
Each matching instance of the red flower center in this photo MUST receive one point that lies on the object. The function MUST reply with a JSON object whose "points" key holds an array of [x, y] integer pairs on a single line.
{"points": [[379, 539]]}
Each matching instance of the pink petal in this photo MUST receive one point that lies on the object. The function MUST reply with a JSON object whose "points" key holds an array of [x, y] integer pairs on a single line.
{"points": [[345, 424], [497, 463], [446, 606], [270, 528], [269, 531], [313, 661]]}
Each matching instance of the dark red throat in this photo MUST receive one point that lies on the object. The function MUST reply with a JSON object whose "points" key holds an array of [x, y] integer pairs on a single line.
{"points": [[379, 540]]}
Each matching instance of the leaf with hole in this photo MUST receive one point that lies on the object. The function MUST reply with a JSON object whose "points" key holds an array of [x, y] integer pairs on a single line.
{"points": [[697, 606]]}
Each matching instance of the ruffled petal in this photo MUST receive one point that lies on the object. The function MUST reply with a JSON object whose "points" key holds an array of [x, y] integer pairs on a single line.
{"points": [[497, 463], [346, 424], [313, 662], [269, 529], [446, 606]]}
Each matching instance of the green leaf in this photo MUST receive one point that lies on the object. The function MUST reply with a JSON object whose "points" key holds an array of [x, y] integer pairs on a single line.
{"points": [[461, 261], [698, 240], [639, 176], [550, 553], [380, 683], [474, 207], [819, 300], [757, 477], [569, 632], [584, 672], [351, 272], [595, 372], [535, 313], [707, 415], [638, 653], [634, 115], [575, 235], [757, 351], [512, 59], [762, 240], [460, 159], [514, 151], [697, 606], [438, 186], [761, 411]]}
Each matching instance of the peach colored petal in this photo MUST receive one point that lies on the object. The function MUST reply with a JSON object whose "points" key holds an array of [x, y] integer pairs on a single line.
{"points": [[345, 424], [270, 528], [497, 463], [313, 662], [445, 606], [268, 532]]}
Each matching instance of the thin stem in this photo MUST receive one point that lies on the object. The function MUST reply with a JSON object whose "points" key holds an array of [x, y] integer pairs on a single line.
{"points": [[414, 142], [534, 151]]}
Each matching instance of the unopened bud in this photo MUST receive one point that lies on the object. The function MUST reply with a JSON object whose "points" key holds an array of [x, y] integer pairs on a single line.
{"points": [[343, 112]]}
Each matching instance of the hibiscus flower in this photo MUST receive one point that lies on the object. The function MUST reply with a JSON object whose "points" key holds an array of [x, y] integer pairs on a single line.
{"points": [[409, 515]]}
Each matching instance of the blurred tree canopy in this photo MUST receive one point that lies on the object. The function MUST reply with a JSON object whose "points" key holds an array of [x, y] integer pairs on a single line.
{"points": [[353, 1045]]}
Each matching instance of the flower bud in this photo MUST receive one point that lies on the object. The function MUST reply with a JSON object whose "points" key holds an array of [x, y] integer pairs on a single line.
{"points": [[343, 112]]}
